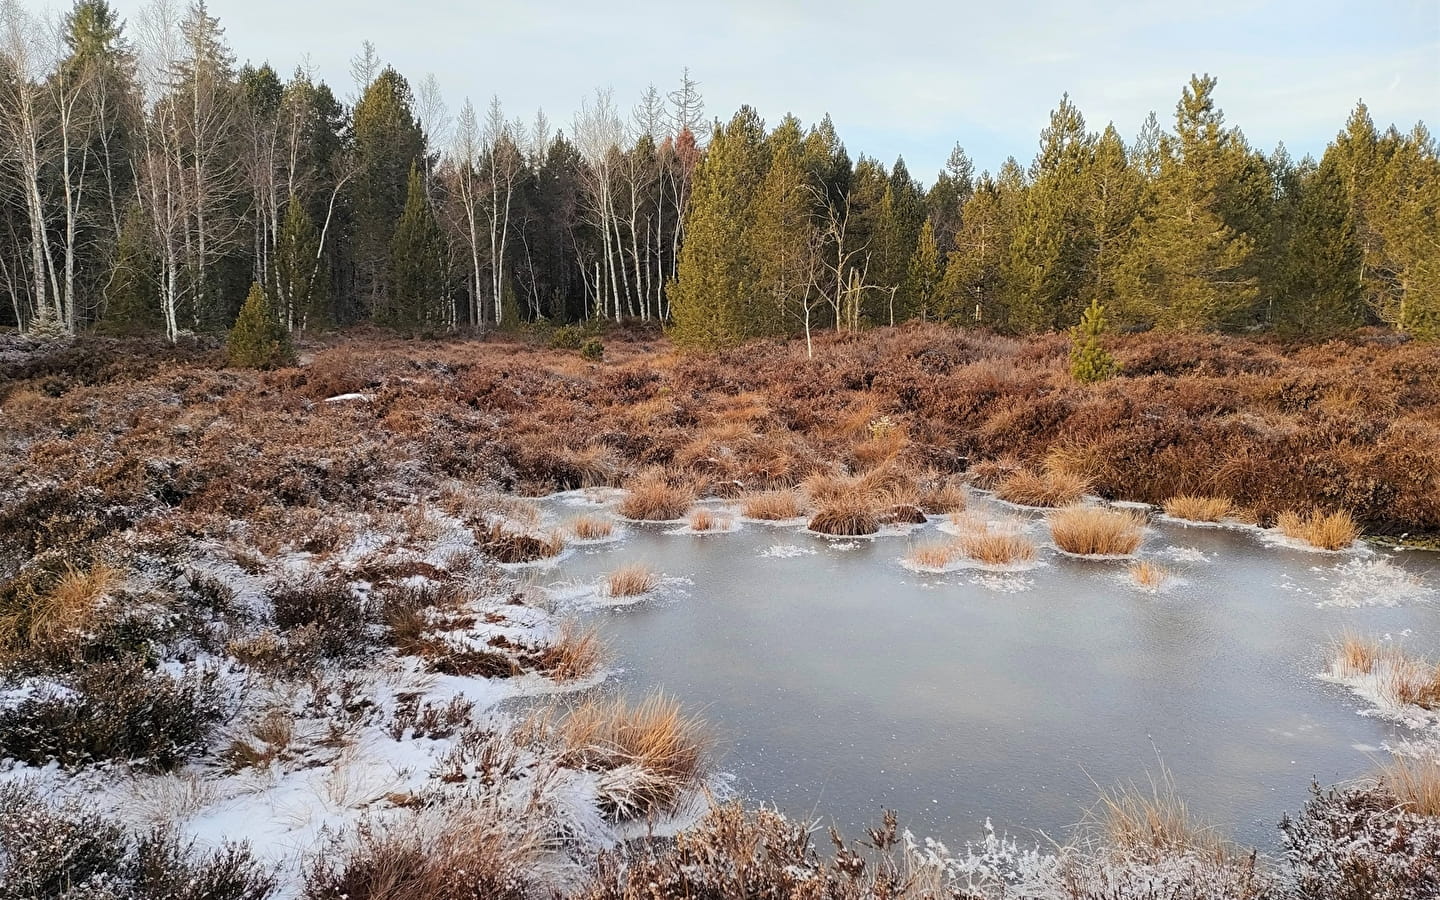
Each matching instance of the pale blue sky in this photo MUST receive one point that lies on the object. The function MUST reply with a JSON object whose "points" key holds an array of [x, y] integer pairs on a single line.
{"points": [[902, 77]]}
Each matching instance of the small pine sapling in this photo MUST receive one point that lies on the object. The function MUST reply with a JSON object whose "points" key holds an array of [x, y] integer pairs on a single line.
{"points": [[258, 340], [1089, 361]]}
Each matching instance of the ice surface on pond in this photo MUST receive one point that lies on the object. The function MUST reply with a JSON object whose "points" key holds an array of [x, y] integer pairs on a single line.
{"points": [[838, 683]]}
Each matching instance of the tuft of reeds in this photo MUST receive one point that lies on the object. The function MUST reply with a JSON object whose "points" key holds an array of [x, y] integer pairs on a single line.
{"points": [[1327, 531], [771, 506], [650, 498], [1003, 546], [1097, 531], [1148, 575], [631, 580], [1415, 783], [1356, 654], [1153, 820], [940, 496], [650, 752], [704, 519], [933, 554], [846, 515], [1414, 682], [1197, 508], [1052, 487], [590, 527], [575, 653]]}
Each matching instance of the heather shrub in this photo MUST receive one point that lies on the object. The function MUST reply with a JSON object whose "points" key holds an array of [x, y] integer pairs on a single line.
{"points": [[333, 616], [114, 710], [71, 852], [1361, 843]]}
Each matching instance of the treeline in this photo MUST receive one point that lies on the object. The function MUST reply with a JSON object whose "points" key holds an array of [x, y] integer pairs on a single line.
{"points": [[1186, 230], [147, 182]]}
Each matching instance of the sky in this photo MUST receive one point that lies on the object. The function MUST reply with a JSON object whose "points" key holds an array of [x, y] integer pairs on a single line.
{"points": [[902, 77]]}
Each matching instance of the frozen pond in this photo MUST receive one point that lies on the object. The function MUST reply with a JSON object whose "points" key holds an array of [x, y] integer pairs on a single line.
{"points": [[838, 682]]}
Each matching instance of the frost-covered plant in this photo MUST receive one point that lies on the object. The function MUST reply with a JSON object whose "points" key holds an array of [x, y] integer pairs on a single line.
{"points": [[114, 710], [1362, 843], [70, 851]]}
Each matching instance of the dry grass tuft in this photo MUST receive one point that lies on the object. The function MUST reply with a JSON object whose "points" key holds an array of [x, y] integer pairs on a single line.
{"points": [[590, 527], [650, 753], [651, 498], [1327, 531], [1154, 821], [1051, 488], [632, 580], [1197, 508], [934, 554], [1148, 575], [771, 506], [940, 496], [509, 546], [1415, 783], [704, 519], [1097, 531], [1414, 682], [846, 515], [1356, 654], [987, 474], [47, 618], [1004, 546], [576, 653]]}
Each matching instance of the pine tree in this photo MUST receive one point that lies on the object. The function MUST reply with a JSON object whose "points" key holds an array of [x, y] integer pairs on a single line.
{"points": [[1189, 269], [1316, 287], [1113, 195], [303, 290], [716, 282], [417, 265], [782, 233], [1044, 266], [1089, 361], [924, 277], [258, 340], [972, 290]]}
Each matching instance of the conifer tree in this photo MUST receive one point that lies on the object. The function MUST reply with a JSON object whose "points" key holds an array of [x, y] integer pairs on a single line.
{"points": [[388, 145], [131, 294], [258, 340], [716, 281], [782, 233], [1044, 265], [1316, 287], [1089, 360], [1189, 269], [923, 279], [417, 265], [300, 286], [972, 289]]}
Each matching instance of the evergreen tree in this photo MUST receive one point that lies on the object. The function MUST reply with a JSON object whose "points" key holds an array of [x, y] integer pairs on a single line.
{"points": [[1316, 289], [972, 289], [131, 305], [715, 288], [1114, 191], [417, 295], [388, 146], [1089, 360], [902, 212], [923, 279], [302, 288], [781, 236], [1189, 269], [1044, 266], [258, 340]]}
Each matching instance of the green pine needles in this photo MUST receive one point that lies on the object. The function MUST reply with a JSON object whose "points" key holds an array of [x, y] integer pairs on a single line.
{"points": [[258, 340], [1089, 361]]}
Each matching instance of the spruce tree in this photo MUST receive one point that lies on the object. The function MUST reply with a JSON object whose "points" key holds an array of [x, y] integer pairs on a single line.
{"points": [[417, 280], [257, 339], [971, 292], [715, 287], [782, 233], [388, 145], [132, 291]]}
